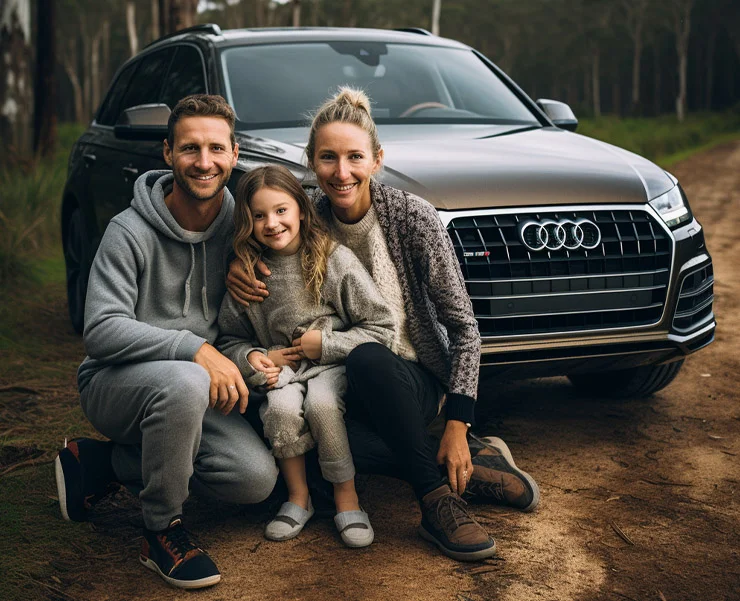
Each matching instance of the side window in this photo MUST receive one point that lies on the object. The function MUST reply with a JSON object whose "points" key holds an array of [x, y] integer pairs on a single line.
{"points": [[186, 76], [144, 88], [111, 107]]}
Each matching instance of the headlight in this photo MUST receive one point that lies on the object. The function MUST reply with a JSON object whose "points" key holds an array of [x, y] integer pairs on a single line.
{"points": [[672, 207]]}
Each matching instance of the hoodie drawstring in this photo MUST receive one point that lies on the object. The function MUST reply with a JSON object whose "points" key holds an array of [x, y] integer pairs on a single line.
{"points": [[203, 290]]}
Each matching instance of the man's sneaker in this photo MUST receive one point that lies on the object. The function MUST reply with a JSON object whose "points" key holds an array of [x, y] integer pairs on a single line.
{"points": [[445, 521], [176, 558], [84, 475], [496, 478]]}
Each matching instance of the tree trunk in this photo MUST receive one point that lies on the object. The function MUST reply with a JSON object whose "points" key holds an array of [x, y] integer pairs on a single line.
{"points": [[16, 77], [69, 62], [86, 80], [709, 70], [95, 71], [133, 38], [259, 13], [44, 105], [156, 29], [296, 13], [657, 80], [595, 82], [181, 15], [682, 28], [105, 76], [436, 10], [164, 17]]}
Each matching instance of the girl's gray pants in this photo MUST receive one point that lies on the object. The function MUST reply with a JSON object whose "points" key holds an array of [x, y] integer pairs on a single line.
{"points": [[169, 441], [305, 409]]}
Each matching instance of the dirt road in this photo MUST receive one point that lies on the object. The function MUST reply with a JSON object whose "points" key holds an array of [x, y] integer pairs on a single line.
{"points": [[640, 499]]}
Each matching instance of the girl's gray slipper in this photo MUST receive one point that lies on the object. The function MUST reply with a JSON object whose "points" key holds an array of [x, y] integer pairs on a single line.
{"points": [[288, 522], [354, 528]]}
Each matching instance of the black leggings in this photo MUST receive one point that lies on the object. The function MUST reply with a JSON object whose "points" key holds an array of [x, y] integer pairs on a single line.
{"points": [[390, 403]]}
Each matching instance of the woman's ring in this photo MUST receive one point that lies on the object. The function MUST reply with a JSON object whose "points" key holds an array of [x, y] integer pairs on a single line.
{"points": [[232, 388], [465, 475]]}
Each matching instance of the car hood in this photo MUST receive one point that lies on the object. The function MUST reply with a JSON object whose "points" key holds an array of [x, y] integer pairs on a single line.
{"points": [[478, 167]]}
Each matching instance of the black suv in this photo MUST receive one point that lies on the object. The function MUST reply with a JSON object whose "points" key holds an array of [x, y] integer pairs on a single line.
{"points": [[580, 258]]}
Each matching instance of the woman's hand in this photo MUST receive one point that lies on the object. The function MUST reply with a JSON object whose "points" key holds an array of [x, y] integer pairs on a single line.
{"points": [[243, 289], [290, 356], [262, 363], [455, 455], [309, 344]]}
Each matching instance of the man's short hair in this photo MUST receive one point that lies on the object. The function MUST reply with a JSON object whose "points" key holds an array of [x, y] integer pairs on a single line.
{"points": [[201, 105]]}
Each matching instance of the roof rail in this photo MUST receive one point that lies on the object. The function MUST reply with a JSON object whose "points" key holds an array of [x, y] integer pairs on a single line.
{"points": [[419, 30], [203, 28]]}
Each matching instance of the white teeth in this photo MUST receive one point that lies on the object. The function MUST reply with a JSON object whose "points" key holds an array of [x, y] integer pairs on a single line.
{"points": [[343, 188], [204, 177]]}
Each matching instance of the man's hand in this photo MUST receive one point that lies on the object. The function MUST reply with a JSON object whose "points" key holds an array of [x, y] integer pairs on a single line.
{"points": [[290, 356], [227, 384], [455, 455], [262, 363], [309, 344], [243, 289]]}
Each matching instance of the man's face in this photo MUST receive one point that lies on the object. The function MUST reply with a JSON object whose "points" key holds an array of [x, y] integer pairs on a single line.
{"points": [[201, 156]]}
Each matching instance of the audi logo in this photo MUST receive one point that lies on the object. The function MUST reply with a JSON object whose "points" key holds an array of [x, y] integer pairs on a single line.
{"points": [[554, 235]]}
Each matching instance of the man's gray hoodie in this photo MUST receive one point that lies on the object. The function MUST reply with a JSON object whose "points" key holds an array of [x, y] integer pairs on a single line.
{"points": [[155, 288]]}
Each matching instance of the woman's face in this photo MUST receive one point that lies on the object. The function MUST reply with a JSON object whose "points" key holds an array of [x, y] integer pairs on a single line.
{"points": [[277, 220], [343, 163]]}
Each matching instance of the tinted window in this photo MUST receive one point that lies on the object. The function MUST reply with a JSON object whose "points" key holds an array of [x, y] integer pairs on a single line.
{"points": [[185, 77], [110, 109], [279, 85], [144, 88]]}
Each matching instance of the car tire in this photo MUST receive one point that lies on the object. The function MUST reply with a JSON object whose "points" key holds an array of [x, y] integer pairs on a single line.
{"points": [[637, 382], [77, 267]]}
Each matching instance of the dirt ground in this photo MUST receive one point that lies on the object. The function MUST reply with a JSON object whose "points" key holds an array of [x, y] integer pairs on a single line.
{"points": [[640, 499]]}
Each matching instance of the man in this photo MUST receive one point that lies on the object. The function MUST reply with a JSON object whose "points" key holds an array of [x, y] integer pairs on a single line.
{"points": [[152, 382]]}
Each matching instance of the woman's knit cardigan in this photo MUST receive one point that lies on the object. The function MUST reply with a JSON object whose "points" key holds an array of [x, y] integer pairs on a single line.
{"points": [[439, 313]]}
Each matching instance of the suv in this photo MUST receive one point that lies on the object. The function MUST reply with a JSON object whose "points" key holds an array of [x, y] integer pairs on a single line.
{"points": [[581, 259]]}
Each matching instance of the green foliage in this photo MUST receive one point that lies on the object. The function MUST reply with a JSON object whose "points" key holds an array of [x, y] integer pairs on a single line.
{"points": [[660, 137], [31, 205]]}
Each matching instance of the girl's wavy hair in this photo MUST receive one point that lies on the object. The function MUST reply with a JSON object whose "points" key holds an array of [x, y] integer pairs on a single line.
{"points": [[316, 243]]}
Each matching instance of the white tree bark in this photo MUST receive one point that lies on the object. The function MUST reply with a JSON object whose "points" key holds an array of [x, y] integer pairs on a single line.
{"points": [[155, 29], [682, 29], [133, 38], [296, 13], [16, 76], [436, 11]]}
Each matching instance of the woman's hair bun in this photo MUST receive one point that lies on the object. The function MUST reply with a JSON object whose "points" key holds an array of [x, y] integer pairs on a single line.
{"points": [[353, 97]]}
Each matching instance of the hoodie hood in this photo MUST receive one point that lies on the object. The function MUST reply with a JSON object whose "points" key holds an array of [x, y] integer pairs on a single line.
{"points": [[150, 190]]}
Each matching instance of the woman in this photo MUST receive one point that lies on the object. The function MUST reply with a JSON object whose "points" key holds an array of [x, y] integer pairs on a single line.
{"points": [[394, 396]]}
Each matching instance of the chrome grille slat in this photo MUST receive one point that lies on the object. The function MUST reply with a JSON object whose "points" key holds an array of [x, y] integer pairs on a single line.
{"points": [[623, 282]]}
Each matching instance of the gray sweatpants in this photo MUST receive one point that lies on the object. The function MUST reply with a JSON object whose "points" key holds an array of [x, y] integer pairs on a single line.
{"points": [[169, 441], [306, 408]]}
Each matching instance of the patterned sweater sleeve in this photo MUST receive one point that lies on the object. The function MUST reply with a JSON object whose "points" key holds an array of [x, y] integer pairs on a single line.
{"points": [[355, 298], [446, 288], [237, 339]]}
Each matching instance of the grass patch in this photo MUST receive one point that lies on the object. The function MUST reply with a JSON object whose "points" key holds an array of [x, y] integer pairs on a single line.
{"points": [[31, 207], [663, 139]]}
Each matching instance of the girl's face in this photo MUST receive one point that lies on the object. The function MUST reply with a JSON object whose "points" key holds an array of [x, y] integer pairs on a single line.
{"points": [[343, 163], [277, 220]]}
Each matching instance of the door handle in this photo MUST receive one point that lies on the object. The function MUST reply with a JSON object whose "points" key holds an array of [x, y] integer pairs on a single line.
{"points": [[130, 172], [89, 159]]}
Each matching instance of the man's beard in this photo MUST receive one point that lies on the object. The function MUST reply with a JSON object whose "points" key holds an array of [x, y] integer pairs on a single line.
{"points": [[185, 185]]}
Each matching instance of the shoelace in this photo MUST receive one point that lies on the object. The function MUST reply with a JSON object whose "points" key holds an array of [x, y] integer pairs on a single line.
{"points": [[178, 542], [452, 513]]}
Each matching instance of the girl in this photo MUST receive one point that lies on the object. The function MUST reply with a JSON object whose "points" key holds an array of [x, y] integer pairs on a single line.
{"points": [[324, 304]]}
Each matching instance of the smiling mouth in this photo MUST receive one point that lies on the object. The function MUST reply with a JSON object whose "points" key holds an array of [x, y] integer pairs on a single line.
{"points": [[203, 178], [343, 188], [272, 234]]}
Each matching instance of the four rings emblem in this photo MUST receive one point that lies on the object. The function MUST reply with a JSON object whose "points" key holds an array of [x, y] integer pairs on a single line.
{"points": [[554, 235]]}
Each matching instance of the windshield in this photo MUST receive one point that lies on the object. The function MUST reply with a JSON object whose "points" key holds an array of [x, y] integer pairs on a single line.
{"points": [[275, 86]]}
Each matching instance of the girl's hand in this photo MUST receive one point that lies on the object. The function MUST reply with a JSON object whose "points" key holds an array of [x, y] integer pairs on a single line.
{"points": [[246, 290], [310, 344], [455, 455], [290, 356], [264, 364]]}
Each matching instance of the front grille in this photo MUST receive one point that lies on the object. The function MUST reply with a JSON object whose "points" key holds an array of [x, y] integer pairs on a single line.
{"points": [[622, 282], [695, 300]]}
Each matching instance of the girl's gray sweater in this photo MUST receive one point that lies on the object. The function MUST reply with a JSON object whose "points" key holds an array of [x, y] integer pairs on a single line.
{"points": [[351, 312]]}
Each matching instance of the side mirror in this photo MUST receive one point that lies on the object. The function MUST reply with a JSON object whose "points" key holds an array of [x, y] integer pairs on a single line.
{"points": [[559, 113], [143, 122]]}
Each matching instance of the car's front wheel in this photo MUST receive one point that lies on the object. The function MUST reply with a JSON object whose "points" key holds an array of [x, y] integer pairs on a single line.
{"points": [[78, 268], [635, 382]]}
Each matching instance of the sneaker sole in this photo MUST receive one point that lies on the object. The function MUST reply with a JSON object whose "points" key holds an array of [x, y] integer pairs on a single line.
{"points": [[187, 584], [61, 488], [495, 443], [458, 555]]}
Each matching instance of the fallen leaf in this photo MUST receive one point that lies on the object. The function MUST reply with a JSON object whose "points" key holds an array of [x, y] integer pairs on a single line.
{"points": [[706, 375], [715, 437], [613, 499]]}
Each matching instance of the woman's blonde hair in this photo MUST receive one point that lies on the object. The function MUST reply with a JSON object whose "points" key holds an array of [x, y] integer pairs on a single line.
{"points": [[316, 243], [349, 105]]}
